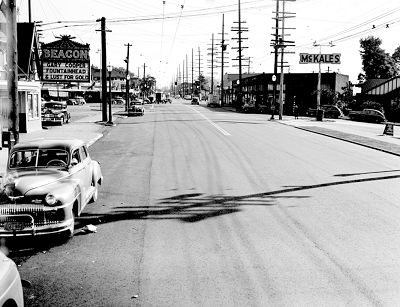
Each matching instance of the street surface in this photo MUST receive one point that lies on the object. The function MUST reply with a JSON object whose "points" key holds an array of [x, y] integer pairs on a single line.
{"points": [[206, 207]]}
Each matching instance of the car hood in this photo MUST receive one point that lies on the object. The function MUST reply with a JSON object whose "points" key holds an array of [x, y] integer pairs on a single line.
{"points": [[25, 180]]}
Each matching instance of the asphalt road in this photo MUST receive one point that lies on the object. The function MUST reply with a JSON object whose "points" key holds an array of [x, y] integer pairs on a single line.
{"points": [[207, 208]]}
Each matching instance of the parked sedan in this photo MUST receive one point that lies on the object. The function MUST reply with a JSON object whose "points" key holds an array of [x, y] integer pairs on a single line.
{"points": [[135, 108], [332, 112], [48, 182], [11, 293], [118, 101], [55, 112]]}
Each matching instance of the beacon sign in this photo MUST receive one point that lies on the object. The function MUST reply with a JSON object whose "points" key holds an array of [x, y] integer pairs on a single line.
{"points": [[65, 61], [333, 58]]}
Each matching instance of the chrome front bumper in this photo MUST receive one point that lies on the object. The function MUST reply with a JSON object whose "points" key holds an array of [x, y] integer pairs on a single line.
{"points": [[26, 220]]}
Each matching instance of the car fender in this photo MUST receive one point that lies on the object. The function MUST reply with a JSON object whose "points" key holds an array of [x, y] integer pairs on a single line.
{"points": [[66, 191], [96, 172]]}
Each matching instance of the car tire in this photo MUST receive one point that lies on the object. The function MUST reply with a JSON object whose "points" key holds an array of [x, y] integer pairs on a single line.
{"points": [[95, 195], [69, 233]]}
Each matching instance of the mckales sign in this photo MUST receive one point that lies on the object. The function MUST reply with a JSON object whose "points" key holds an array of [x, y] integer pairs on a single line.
{"points": [[65, 61], [333, 58]]}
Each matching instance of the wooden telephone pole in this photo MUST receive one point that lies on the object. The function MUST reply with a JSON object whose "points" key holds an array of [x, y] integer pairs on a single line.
{"points": [[104, 68], [9, 10], [279, 42], [127, 78]]}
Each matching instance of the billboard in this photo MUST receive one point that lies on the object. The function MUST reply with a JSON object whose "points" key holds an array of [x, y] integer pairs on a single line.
{"points": [[65, 61]]}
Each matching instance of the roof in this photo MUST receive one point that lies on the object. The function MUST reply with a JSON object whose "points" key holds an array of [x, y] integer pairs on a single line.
{"points": [[64, 43], [53, 142], [371, 83]]}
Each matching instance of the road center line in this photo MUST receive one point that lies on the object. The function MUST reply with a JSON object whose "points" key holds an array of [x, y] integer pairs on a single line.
{"points": [[211, 122]]}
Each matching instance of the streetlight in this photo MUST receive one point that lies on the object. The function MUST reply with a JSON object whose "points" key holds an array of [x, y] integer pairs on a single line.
{"points": [[109, 68], [128, 77]]}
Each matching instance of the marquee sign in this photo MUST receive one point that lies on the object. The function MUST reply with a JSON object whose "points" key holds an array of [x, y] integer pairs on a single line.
{"points": [[65, 61], [333, 58]]}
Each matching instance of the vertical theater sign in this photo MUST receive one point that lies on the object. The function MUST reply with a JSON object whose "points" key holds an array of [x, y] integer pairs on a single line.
{"points": [[65, 60]]}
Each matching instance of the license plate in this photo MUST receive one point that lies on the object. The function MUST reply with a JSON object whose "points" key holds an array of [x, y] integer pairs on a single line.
{"points": [[11, 226]]}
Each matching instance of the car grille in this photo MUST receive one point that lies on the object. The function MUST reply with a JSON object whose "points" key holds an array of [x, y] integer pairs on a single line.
{"points": [[25, 213]]}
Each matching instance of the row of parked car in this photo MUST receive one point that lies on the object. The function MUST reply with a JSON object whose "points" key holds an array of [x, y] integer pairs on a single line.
{"points": [[328, 111]]}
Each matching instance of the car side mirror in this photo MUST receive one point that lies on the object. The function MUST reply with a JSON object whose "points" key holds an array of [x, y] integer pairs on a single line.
{"points": [[74, 162]]}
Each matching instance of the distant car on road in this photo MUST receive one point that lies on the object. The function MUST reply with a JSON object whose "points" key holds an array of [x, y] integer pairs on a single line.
{"points": [[195, 100], [118, 101], [187, 97], [48, 182], [368, 115], [249, 107], [55, 112], [135, 108], [80, 100], [330, 111]]}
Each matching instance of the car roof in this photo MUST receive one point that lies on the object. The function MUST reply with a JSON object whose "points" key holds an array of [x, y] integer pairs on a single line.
{"points": [[55, 102], [52, 142]]}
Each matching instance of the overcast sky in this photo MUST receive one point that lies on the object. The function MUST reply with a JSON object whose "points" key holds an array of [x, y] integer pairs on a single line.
{"points": [[164, 33]]}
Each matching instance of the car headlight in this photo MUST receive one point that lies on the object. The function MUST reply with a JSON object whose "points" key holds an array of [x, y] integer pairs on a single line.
{"points": [[50, 199]]}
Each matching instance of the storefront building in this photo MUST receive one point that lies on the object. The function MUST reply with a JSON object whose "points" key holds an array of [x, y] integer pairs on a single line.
{"points": [[299, 88], [28, 83]]}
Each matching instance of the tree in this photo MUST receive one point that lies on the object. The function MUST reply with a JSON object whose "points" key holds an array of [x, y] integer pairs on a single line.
{"points": [[146, 84], [346, 98], [376, 63], [203, 82], [396, 56]]}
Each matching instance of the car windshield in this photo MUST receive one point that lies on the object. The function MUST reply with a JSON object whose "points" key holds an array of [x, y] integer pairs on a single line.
{"points": [[38, 157], [57, 106]]}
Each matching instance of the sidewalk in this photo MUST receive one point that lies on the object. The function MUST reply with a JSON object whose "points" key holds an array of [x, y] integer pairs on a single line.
{"points": [[88, 129], [367, 135], [359, 133]]}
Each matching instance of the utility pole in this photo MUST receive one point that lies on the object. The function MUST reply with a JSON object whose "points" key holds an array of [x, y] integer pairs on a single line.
{"points": [[127, 78], [199, 69], [192, 72], [144, 80], [275, 45], [183, 79], [239, 30], [9, 10], [223, 48], [212, 66], [103, 65], [319, 74], [187, 74], [279, 42]]}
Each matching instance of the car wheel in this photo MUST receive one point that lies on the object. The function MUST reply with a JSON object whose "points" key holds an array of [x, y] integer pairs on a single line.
{"points": [[95, 193], [69, 233]]}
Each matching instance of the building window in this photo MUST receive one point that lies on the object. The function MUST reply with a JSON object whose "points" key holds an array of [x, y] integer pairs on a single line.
{"points": [[30, 106], [36, 106]]}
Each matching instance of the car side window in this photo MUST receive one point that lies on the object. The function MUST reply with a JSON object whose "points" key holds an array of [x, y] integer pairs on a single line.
{"points": [[76, 155], [83, 153]]}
